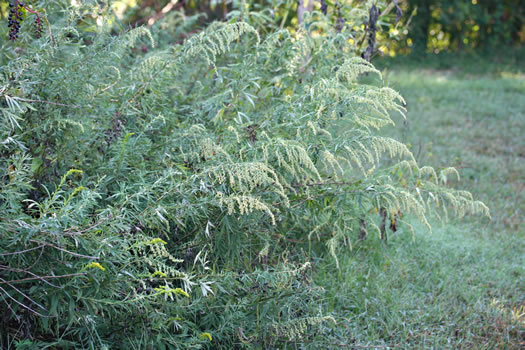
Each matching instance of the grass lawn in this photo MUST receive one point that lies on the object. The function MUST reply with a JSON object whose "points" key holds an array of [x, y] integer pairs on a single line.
{"points": [[463, 285]]}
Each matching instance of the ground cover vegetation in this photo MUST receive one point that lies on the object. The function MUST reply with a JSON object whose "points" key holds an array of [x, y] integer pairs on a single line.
{"points": [[215, 190]]}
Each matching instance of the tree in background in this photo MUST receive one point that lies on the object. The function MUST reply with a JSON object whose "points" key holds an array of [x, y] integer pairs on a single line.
{"points": [[458, 25], [434, 25]]}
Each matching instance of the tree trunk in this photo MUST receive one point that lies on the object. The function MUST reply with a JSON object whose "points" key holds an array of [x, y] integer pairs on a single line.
{"points": [[303, 6]]}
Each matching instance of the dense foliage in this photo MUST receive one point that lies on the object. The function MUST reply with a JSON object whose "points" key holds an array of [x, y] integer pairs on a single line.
{"points": [[177, 195], [459, 25]]}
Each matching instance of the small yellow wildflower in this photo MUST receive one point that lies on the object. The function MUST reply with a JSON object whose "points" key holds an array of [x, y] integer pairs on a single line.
{"points": [[181, 291], [166, 290], [73, 171], [159, 273], [97, 265], [78, 189], [206, 335], [157, 240]]}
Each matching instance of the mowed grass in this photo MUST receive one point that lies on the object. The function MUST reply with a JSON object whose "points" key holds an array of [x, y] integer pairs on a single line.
{"points": [[475, 123], [463, 285]]}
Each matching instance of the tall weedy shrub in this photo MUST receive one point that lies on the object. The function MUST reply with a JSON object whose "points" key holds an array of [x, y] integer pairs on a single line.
{"points": [[173, 195]]}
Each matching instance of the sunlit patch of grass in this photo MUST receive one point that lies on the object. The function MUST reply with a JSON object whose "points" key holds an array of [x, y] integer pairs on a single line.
{"points": [[512, 75], [475, 124]]}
